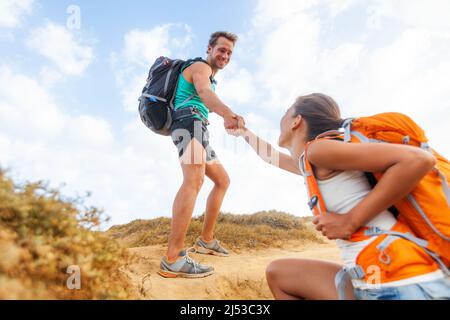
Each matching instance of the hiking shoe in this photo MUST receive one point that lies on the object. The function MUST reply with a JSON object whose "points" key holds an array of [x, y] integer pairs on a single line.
{"points": [[184, 267], [212, 247]]}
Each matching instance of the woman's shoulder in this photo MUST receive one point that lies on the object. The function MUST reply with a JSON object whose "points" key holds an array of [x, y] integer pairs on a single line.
{"points": [[322, 173]]}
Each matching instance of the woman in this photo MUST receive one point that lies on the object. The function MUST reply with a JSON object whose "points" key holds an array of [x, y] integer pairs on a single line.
{"points": [[339, 168]]}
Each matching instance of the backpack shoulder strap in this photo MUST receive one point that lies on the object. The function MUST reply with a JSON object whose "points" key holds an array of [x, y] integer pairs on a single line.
{"points": [[316, 202], [190, 62]]}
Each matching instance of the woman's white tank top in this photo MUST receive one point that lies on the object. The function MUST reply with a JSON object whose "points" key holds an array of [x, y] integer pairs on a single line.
{"points": [[342, 193]]}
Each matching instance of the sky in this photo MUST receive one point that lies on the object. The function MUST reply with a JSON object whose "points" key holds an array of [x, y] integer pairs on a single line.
{"points": [[71, 73]]}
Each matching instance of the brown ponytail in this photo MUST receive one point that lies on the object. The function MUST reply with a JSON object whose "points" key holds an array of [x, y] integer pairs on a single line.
{"points": [[320, 112]]}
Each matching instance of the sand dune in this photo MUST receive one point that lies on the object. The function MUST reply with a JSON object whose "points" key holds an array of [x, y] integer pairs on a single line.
{"points": [[239, 276]]}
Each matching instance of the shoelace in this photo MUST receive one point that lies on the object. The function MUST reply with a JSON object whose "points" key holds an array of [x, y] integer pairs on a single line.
{"points": [[191, 261], [218, 246]]}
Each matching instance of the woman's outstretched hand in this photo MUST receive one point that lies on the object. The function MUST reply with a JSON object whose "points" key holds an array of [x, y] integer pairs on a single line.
{"points": [[239, 132], [335, 226]]}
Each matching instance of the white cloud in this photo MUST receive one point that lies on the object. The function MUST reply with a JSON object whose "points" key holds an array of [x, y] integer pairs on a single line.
{"points": [[49, 76], [26, 108], [61, 47], [431, 14], [270, 12], [32, 114], [337, 7], [289, 50], [144, 46], [256, 121], [12, 11], [141, 48], [42, 140], [134, 173], [131, 90], [340, 61], [88, 130], [235, 85], [403, 72]]}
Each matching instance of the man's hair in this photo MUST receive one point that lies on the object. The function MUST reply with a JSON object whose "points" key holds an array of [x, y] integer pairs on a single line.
{"points": [[216, 35]]}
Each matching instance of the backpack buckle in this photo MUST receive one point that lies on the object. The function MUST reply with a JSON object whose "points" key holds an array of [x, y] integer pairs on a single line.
{"points": [[356, 272], [313, 202], [197, 112]]}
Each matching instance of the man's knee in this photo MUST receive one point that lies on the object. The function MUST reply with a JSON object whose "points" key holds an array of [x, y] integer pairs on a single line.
{"points": [[223, 183], [194, 182]]}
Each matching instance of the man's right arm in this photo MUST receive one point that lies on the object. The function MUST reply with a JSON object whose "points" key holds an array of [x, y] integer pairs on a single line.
{"points": [[201, 73]]}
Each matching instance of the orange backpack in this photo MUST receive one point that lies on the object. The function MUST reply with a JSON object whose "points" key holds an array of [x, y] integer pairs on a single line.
{"points": [[420, 241]]}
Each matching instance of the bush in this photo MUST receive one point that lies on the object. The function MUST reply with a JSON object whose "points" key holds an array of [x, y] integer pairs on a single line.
{"points": [[42, 234]]}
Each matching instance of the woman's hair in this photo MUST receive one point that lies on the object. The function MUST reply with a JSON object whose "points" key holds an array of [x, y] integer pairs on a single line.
{"points": [[320, 112]]}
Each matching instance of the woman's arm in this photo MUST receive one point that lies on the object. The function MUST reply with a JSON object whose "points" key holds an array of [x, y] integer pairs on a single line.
{"points": [[268, 153], [403, 168]]}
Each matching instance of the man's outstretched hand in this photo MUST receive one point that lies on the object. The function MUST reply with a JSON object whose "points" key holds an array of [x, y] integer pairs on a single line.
{"points": [[233, 122]]}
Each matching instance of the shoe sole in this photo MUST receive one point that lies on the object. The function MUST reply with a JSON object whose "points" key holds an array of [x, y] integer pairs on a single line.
{"points": [[203, 250], [170, 274]]}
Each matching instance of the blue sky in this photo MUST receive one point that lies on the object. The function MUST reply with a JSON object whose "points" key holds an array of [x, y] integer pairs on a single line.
{"points": [[104, 26], [68, 97]]}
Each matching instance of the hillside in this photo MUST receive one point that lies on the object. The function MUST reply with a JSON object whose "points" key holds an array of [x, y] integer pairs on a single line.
{"points": [[44, 236], [259, 230]]}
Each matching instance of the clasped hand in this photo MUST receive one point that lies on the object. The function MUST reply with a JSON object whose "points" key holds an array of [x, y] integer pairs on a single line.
{"points": [[233, 123], [334, 226]]}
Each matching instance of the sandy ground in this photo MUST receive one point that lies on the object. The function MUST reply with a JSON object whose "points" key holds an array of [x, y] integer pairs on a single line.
{"points": [[239, 276]]}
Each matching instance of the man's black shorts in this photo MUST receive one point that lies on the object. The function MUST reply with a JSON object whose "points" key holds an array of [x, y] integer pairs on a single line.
{"points": [[183, 130]]}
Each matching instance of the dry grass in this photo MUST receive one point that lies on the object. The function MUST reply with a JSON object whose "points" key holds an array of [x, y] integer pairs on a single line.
{"points": [[255, 231], [41, 234]]}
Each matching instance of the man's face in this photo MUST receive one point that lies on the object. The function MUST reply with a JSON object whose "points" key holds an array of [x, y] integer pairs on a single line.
{"points": [[221, 53]]}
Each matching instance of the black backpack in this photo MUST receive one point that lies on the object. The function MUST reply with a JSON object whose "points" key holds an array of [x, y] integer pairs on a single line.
{"points": [[156, 102]]}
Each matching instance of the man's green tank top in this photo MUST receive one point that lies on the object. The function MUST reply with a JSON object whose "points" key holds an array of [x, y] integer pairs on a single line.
{"points": [[184, 90]]}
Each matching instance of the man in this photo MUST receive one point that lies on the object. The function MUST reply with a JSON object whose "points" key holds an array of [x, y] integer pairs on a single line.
{"points": [[194, 99]]}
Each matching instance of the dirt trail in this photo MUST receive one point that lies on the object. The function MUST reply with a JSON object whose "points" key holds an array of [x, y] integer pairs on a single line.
{"points": [[239, 276]]}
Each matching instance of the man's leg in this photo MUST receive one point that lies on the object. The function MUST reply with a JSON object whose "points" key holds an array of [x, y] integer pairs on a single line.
{"points": [[216, 172], [193, 164]]}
